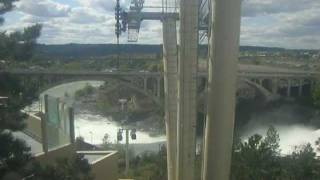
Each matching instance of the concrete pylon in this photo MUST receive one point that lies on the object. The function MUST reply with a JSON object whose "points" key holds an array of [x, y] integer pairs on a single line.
{"points": [[224, 50], [274, 86], [170, 61], [187, 89]]}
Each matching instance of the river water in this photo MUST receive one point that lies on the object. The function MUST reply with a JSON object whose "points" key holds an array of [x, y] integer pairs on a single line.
{"points": [[92, 127]]}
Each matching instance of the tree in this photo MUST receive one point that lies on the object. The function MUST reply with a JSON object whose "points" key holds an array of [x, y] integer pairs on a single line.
{"points": [[5, 6], [14, 153], [19, 45], [75, 168], [106, 141], [301, 164], [150, 165], [14, 156], [257, 158], [272, 140]]}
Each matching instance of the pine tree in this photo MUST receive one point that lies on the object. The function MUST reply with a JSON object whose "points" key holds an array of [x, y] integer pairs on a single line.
{"points": [[14, 153]]}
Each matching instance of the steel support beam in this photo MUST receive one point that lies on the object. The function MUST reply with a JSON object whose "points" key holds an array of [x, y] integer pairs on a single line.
{"points": [[170, 61], [224, 50], [187, 88]]}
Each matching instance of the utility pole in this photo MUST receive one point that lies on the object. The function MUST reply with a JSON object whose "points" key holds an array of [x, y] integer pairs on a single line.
{"points": [[123, 103], [133, 137], [224, 50]]}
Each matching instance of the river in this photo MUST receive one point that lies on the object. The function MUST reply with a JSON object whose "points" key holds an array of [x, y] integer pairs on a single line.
{"points": [[92, 127]]}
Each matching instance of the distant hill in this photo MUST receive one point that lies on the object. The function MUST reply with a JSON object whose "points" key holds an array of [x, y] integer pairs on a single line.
{"points": [[75, 51], [94, 50], [260, 48]]}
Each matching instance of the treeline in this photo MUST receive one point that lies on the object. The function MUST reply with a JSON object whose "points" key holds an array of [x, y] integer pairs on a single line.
{"points": [[84, 51], [260, 158], [257, 158]]}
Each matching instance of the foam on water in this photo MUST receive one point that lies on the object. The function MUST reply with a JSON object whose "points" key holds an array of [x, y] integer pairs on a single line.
{"points": [[290, 135], [96, 126]]}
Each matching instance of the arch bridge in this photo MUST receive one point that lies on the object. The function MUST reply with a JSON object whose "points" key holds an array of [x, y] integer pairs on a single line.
{"points": [[268, 83]]}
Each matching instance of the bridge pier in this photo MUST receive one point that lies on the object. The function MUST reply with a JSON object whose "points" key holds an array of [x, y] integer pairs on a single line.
{"points": [[274, 86], [170, 61]]}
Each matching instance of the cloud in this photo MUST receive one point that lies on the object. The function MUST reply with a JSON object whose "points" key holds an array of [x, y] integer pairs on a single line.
{"points": [[43, 8], [86, 16], [106, 5], [282, 23], [251, 8]]}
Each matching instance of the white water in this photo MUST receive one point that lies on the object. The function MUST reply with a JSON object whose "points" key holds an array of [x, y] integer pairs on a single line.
{"points": [[93, 127], [90, 126], [290, 135], [87, 123]]}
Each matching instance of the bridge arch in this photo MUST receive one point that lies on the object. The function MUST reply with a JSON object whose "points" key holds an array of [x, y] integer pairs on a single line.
{"points": [[268, 95], [120, 81]]}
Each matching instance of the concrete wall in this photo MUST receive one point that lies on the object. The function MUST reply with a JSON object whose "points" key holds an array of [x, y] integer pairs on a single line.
{"points": [[33, 127], [106, 167], [60, 152]]}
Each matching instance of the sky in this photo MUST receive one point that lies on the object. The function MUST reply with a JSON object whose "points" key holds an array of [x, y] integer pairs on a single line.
{"points": [[293, 24]]}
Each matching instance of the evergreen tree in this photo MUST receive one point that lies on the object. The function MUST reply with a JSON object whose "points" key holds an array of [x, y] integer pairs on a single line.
{"points": [[301, 164], [14, 153], [75, 168], [5, 6], [257, 158]]}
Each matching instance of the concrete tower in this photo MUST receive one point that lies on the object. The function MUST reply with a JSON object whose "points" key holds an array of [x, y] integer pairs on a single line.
{"points": [[170, 61], [224, 49], [187, 88]]}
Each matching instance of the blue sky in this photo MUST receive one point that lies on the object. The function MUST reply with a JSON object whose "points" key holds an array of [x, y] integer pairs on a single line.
{"points": [[277, 23]]}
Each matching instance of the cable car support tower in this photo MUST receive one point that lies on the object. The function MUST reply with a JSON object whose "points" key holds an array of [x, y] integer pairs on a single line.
{"points": [[131, 21]]}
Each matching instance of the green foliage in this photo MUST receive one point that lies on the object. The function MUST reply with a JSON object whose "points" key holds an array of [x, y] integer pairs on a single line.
{"points": [[106, 144], [87, 90], [75, 168], [301, 164], [14, 156], [259, 159], [5, 6], [272, 140], [255, 159], [19, 95], [18, 45], [150, 165]]}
